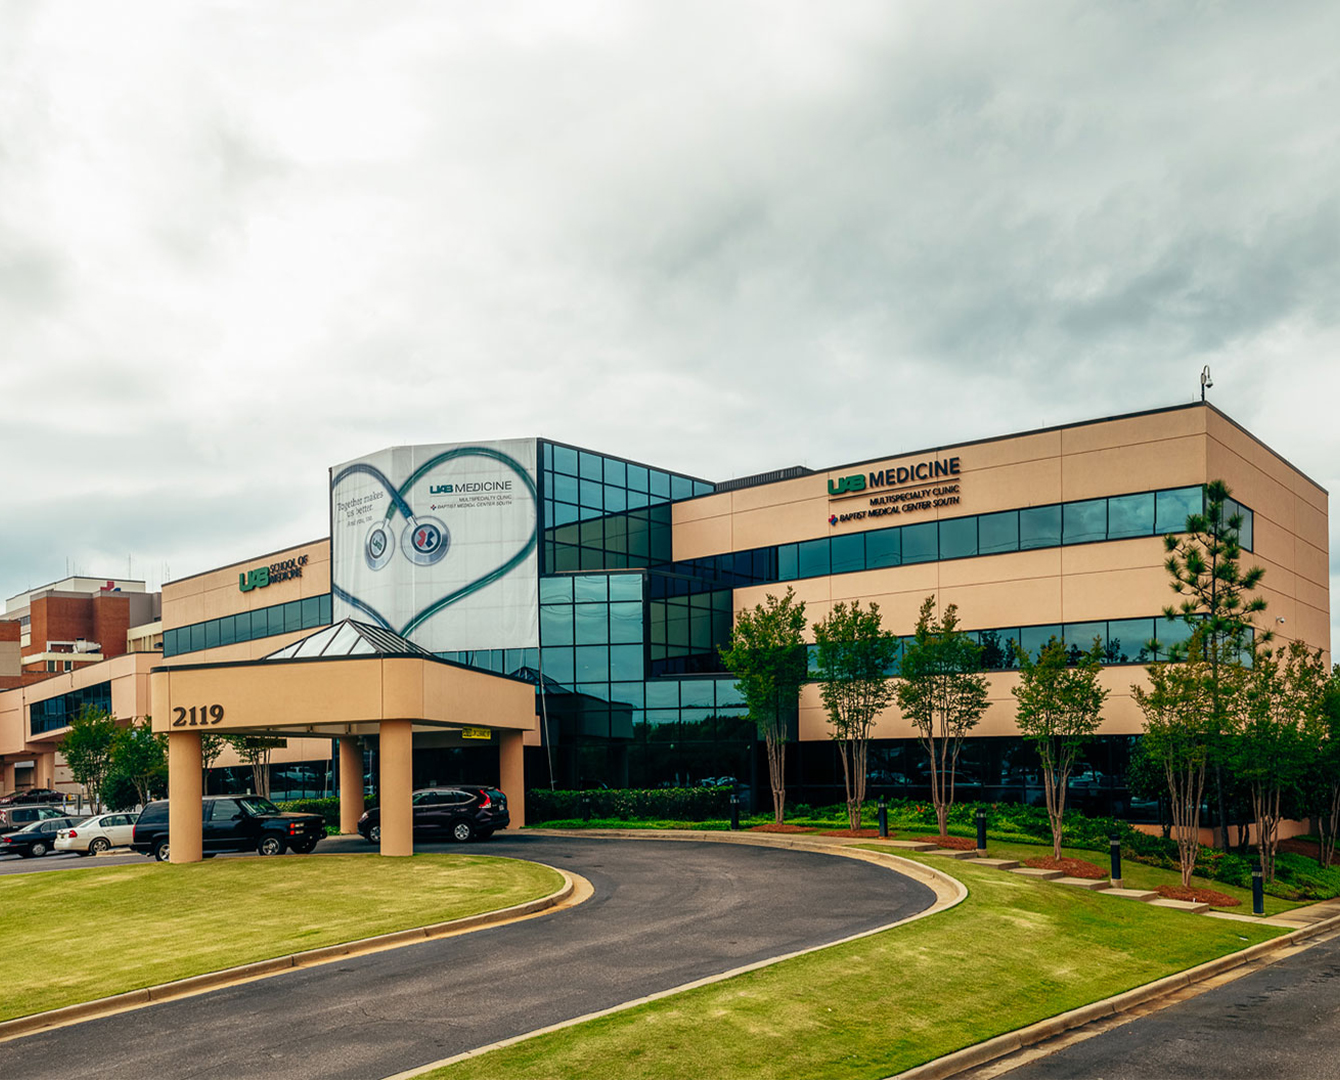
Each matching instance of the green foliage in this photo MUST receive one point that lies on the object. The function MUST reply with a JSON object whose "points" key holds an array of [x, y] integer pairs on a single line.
{"points": [[766, 654], [675, 804], [139, 757], [855, 653], [329, 809], [255, 751], [88, 747], [118, 792]]}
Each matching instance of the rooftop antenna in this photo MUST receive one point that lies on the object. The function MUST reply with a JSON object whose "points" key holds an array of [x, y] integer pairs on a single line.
{"points": [[1205, 381]]}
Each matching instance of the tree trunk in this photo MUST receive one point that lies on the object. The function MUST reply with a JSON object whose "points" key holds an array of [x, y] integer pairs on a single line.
{"points": [[777, 774], [1327, 853]]}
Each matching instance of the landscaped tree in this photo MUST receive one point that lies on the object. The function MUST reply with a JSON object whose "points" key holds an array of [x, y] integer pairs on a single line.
{"points": [[942, 691], [1178, 710], [139, 757], [1284, 697], [767, 655], [211, 747], [1324, 789], [88, 749], [1216, 601], [255, 751], [855, 654], [1060, 706]]}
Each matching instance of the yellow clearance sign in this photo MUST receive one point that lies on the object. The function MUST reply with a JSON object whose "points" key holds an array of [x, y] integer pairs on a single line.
{"points": [[476, 733]]}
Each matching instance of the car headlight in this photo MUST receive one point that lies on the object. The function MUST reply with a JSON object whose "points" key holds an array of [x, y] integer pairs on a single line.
{"points": [[363, 818]]}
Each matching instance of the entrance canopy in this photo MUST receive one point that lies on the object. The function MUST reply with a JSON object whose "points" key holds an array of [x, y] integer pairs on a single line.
{"points": [[341, 681]]}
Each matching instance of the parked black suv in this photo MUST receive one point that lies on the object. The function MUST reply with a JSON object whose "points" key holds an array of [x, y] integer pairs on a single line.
{"points": [[232, 823], [448, 813]]}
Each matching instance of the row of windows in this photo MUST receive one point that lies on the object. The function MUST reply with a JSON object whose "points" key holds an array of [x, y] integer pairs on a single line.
{"points": [[498, 661], [57, 712], [1151, 513], [305, 614], [568, 461]]}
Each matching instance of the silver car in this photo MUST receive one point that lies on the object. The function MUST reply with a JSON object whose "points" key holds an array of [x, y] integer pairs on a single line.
{"points": [[101, 832]]}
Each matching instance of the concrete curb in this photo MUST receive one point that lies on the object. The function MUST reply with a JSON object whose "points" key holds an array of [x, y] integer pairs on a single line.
{"points": [[971, 1057], [135, 999], [949, 892]]}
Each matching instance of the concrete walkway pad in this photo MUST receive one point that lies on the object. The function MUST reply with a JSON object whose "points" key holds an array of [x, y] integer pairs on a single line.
{"points": [[1037, 872], [1132, 894], [1092, 884], [1181, 905]]}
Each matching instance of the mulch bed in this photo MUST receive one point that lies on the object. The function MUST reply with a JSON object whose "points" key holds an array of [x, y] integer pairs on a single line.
{"points": [[958, 843], [774, 827], [1298, 845], [851, 832], [1200, 896], [1079, 868]]}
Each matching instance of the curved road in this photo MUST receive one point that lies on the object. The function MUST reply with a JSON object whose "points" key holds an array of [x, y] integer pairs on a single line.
{"points": [[664, 913]]}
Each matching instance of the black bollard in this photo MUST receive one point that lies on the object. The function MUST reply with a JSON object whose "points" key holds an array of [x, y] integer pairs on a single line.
{"points": [[735, 813], [883, 817], [586, 807], [1116, 861], [981, 831], [1258, 888]]}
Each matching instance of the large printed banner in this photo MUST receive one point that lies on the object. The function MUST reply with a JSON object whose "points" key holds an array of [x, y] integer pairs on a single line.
{"points": [[438, 543]]}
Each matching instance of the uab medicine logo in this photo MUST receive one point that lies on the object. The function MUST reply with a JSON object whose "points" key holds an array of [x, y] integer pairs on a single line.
{"points": [[440, 489], [263, 576], [847, 484]]}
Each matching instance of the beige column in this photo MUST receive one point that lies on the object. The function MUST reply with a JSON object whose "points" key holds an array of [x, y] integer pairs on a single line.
{"points": [[184, 791], [45, 773], [351, 783], [512, 775], [396, 754], [6, 778]]}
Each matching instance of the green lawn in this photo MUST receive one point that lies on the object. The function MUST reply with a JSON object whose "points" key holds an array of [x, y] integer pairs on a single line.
{"points": [[77, 935], [1014, 952]]}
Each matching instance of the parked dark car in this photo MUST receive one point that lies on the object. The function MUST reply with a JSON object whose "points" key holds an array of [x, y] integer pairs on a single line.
{"points": [[232, 823], [36, 838], [32, 795], [448, 813], [13, 817]]}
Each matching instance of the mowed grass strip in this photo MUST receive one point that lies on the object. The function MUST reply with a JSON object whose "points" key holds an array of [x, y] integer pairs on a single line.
{"points": [[78, 935], [1014, 952]]}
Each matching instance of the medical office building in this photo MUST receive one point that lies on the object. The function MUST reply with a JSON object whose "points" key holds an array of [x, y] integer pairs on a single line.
{"points": [[611, 584]]}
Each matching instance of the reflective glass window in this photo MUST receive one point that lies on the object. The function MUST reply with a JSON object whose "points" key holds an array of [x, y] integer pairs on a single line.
{"points": [[311, 611], [848, 553], [1039, 527], [637, 478], [593, 663], [698, 692], [659, 484], [1130, 515], [547, 455], [1128, 641], [276, 619], [958, 538], [681, 487], [626, 621], [325, 609], [1174, 507], [625, 586], [260, 624], [212, 634], [1234, 509], [591, 625], [920, 543], [1034, 638], [293, 616], [883, 548], [198, 636], [1171, 633], [592, 494], [616, 499], [812, 558], [1085, 521], [616, 473], [555, 590], [565, 460], [663, 694], [728, 693], [564, 488], [564, 514], [558, 665], [592, 468], [556, 625], [998, 533], [590, 587], [701, 487], [228, 629], [1080, 635], [627, 693], [787, 562]]}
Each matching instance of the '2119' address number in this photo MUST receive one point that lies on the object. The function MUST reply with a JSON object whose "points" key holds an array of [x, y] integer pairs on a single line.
{"points": [[195, 716]]}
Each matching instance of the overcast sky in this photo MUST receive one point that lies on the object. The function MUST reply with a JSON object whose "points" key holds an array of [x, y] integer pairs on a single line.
{"points": [[240, 243]]}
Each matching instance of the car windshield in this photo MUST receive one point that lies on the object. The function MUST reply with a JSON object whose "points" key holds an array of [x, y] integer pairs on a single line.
{"points": [[256, 805]]}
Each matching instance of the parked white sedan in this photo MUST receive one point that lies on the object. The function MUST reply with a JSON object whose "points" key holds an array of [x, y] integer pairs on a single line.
{"points": [[98, 833]]}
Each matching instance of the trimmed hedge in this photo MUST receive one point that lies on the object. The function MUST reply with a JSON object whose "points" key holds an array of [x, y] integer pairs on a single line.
{"points": [[674, 804]]}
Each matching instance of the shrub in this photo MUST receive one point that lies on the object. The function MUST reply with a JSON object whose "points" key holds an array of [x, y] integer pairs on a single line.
{"points": [[329, 809], [674, 804]]}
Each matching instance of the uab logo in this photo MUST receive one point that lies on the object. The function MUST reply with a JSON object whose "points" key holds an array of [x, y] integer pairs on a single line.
{"points": [[439, 489], [254, 579], [846, 484]]}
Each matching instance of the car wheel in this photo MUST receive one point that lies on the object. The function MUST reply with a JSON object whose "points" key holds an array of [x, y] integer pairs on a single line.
{"points": [[270, 845], [462, 831], [38, 849], [375, 834], [98, 845], [161, 851]]}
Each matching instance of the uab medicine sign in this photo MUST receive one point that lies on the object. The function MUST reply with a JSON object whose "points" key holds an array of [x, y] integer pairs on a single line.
{"points": [[261, 576], [897, 489]]}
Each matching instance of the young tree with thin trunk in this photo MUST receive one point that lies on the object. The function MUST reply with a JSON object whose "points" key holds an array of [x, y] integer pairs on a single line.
{"points": [[1178, 708], [766, 654], [88, 749], [211, 747], [1060, 706], [1284, 696], [1216, 600], [1324, 740], [255, 750], [854, 655], [942, 692], [140, 757]]}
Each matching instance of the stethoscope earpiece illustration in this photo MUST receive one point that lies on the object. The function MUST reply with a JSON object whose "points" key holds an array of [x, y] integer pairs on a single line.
{"points": [[379, 545], [425, 541]]}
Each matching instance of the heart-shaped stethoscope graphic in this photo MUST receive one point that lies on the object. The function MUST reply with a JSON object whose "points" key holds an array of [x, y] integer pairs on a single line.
{"points": [[426, 539]]}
